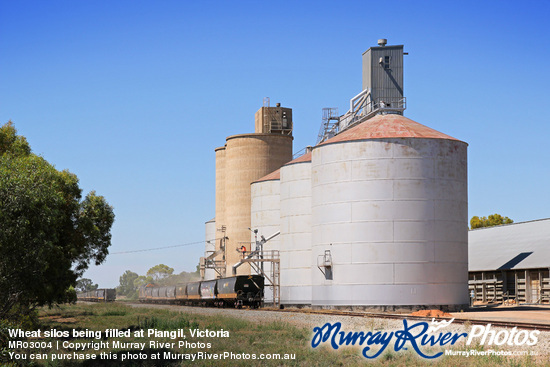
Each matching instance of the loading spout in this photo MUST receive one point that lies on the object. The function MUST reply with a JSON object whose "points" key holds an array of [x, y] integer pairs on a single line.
{"points": [[249, 256], [259, 245], [264, 240], [214, 254]]}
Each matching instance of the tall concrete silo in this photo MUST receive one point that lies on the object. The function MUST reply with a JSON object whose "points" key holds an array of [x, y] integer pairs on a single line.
{"points": [[295, 246], [265, 219], [389, 217], [248, 157], [244, 159]]}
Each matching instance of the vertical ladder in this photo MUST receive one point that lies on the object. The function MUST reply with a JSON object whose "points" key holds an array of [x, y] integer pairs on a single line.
{"points": [[267, 116], [273, 278], [276, 278], [329, 126]]}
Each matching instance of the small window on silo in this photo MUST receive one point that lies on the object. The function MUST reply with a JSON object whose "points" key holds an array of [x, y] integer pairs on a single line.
{"points": [[386, 62]]}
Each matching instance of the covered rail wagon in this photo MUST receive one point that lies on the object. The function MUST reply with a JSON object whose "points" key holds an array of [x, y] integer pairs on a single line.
{"points": [[181, 293], [110, 295], [241, 290], [194, 291], [155, 293], [208, 291], [167, 294], [98, 295], [145, 293], [149, 293], [237, 291]]}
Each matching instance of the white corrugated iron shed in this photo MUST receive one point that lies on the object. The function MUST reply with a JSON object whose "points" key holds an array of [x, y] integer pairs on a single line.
{"points": [[523, 245]]}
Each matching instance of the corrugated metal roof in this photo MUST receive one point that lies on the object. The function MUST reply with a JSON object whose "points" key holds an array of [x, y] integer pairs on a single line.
{"points": [[514, 246], [303, 158], [275, 175], [388, 126]]}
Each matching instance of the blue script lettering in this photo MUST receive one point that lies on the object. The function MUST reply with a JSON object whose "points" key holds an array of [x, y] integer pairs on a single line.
{"points": [[322, 334], [378, 338], [442, 339], [405, 335], [409, 334]]}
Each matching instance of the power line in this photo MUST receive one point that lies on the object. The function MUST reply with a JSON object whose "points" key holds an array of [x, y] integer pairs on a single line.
{"points": [[156, 248]]}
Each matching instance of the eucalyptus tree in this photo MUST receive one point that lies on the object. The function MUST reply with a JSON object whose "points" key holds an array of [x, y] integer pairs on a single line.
{"points": [[49, 234]]}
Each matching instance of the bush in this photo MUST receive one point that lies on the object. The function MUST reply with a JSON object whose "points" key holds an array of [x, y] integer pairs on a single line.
{"points": [[5, 338]]}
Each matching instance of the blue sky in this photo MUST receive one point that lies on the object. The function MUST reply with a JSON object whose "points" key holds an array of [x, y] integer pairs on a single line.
{"points": [[133, 96]]}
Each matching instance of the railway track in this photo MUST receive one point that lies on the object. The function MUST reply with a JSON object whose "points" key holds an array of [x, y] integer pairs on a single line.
{"points": [[457, 320], [383, 315]]}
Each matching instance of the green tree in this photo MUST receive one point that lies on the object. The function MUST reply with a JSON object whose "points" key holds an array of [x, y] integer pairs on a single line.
{"points": [[127, 287], [48, 233], [183, 277], [11, 143], [85, 285], [492, 220], [159, 272]]}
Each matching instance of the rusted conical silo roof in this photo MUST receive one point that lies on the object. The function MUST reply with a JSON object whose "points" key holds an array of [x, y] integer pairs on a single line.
{"points": [[303, 158], [388, 126], [275, 175]]}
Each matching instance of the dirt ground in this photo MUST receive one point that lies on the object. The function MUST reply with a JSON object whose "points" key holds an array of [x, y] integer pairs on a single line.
{"points": [[522, 313]]}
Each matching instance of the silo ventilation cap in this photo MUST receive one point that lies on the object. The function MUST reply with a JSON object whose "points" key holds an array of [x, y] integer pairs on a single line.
{"points": [[382, 42]]}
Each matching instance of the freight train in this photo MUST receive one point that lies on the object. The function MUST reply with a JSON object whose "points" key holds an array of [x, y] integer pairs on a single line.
{"points": [[98, 295], [237, 291]]}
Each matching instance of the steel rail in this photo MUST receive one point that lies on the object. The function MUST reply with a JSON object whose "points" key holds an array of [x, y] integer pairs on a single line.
{"points": [[394, 316], [458, 320]]}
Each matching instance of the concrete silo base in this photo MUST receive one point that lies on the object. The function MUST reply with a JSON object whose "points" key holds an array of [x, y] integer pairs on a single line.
{"points": [[395, 308]]}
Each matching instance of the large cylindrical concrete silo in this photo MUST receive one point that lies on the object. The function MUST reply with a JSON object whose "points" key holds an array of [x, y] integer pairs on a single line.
{"points": [[295, 247], [265, 219], [389, 217], [248, 157]]}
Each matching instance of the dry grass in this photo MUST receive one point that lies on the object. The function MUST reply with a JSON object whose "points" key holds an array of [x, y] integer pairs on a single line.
{"points": [[245, 338]]}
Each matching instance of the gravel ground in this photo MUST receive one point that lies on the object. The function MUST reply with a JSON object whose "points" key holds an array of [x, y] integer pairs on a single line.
{"points": [[354, 323]]}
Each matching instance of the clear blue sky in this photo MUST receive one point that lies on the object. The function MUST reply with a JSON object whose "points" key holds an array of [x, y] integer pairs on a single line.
{"points": [[133, 96]]}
